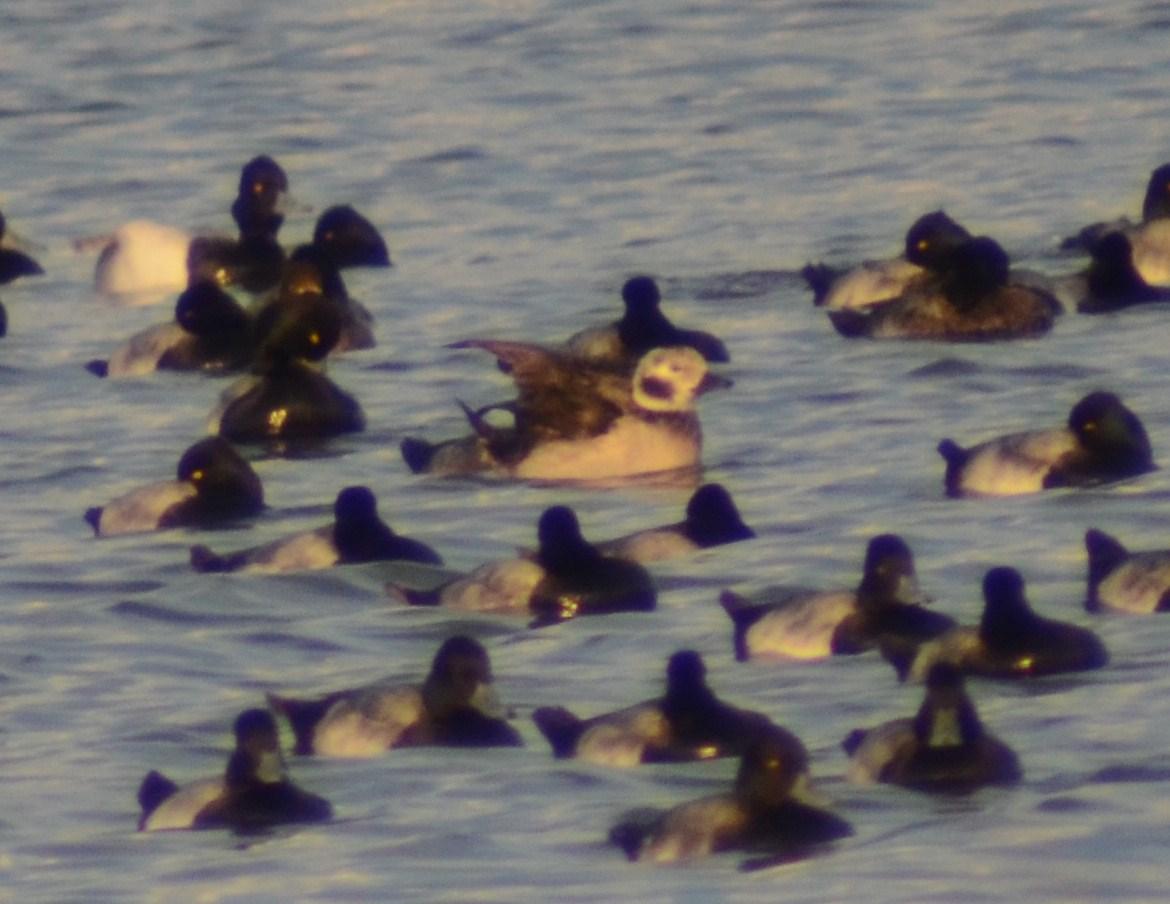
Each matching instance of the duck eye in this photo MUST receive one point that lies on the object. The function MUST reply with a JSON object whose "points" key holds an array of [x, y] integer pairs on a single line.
{"points": [[1090, 426], [923, 244], [314, 338], [257, 188], [197, 475]]}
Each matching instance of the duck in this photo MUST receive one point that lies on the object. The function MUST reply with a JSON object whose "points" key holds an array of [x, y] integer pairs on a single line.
{"points": [[711, 519], [687, 723], [142, 256], [214, 485], [578, 422], [928, 240], [1102, 442], [253, 794], [311, 277], [943, 749], [643, 327], [210, 333], [1113, 282], [812, 624], [567, 578], [14, 263], [1150, 238], [356, 535], [771, 809], [288, 396], [456, 706], [1121, 580], [1011, 641], [967, 297]]}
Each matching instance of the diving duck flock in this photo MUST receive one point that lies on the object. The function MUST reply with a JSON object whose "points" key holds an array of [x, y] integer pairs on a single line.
{"points": [[612, 402]]}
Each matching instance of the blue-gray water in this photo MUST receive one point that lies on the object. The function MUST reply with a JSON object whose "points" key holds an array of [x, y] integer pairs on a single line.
{"points": [[524, 158]]}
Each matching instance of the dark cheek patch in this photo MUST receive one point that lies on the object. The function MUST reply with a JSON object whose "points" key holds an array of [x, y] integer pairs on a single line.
{"points": [[657, 389]]}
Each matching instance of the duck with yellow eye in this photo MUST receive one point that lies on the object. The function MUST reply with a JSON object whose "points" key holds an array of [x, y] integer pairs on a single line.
{"points": [[1011, 640], [686, 723], [210, 333], [214, 485], [928, 239], [144, 260], [1103, 441], [969, 294], [315, 270], [288, 396], [772, 811], [568, 577]]}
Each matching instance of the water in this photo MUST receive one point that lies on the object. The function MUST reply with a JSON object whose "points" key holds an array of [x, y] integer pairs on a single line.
{"points": [[524, 158]]}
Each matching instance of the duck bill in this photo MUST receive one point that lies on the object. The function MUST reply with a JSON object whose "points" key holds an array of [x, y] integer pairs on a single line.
{"points": [[487, 701], [712, 381]]}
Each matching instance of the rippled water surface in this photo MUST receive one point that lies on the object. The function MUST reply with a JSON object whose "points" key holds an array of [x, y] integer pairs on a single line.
{"points": [[524, 158]]}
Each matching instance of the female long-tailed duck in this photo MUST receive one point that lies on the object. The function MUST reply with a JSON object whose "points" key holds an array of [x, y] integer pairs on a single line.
{"points": [[580, 422]]}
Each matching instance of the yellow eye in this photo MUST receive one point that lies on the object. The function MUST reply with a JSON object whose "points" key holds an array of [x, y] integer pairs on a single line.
{"points": [[314, 338], [221, 276], [1090, 426], [257, 188], [923, 244], [276, 419], [197, 475], [707, 752], [1025, 663]]}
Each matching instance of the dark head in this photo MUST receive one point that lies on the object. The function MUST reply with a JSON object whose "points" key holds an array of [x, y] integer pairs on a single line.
{"points": [[889, 574], [561, 543], [349, 239], [641, 295], [263, 185], [1157, 201], [974, 270], [460, 676], [685, 673], [712, 517], [312, 270], [1112, 276], [1112, 435], [770, 768], [1007, 618], [931, 239], [303, 323], [257, 755], [947, 718], [221, 476], [204, 309], [357, 504]]}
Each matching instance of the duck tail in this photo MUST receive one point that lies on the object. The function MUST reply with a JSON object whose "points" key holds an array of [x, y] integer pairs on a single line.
{"points": [[820, 279], [560, 727], [93, 517], [899, 652], [955, 457], [852, 741], [155, 788], [303, 716], [628, 836], [412, 596], [743, 614], [1105, 554], [417, 453], [203, 559]]}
